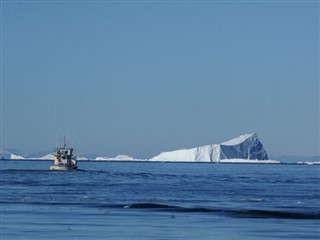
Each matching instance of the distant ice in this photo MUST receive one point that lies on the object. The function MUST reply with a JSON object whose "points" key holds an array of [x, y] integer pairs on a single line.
{"points": [[49, 156], [309, 163], [248, 161], [117, 158], [246, 148], [16, 157]]}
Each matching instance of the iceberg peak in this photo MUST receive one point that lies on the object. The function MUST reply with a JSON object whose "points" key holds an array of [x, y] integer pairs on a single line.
{"points": [[240, 139]]}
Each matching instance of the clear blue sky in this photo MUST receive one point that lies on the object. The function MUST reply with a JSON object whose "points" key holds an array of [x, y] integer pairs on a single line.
{"points": [[138, 77]]}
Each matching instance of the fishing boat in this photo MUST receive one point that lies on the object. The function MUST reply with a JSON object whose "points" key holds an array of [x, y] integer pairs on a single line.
{"points": [[64, 160]]}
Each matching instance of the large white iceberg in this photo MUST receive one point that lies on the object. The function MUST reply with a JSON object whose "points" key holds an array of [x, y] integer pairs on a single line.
{"points": [[246, 148]]}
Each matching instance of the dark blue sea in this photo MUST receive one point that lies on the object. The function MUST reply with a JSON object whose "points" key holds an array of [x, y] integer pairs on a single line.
{"points": [[149, 201]]}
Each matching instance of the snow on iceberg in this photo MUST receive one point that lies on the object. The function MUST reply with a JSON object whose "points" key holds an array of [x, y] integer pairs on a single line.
{"points": [[246, 149]]}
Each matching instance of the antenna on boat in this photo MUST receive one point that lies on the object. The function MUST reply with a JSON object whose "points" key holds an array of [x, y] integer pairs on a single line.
{"points": [[64, 141]]}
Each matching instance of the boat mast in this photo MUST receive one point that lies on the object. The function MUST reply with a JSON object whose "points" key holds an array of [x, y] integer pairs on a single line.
{"points": [[55, 127]]}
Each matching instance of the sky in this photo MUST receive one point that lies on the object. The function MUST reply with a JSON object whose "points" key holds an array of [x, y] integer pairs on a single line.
{"points": [[143, 77]]}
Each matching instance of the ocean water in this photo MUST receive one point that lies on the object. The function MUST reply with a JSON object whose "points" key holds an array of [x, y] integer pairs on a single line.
{"points": [[136, 200]]}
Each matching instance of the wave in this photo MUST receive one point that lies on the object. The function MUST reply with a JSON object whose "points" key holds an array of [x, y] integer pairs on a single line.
{"points": [[238, 213], [233, 213]]}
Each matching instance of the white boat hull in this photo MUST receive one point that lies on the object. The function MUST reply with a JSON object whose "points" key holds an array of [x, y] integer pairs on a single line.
{"points": [[62, 168]]}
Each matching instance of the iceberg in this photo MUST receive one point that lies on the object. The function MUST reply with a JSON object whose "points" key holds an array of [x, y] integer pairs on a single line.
{"points": [[49, 156], [82, 159], [117, 158], [309, 163], [9, 155], [245, 149], [16, 157]]}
